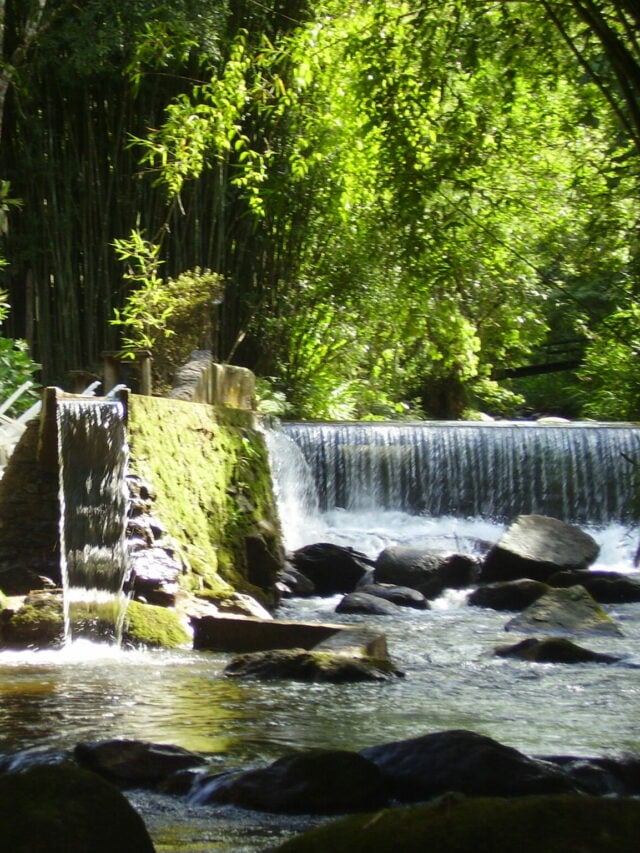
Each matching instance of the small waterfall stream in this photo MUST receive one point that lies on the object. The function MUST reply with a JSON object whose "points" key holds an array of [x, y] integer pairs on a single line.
{"points": [[93, 456]]}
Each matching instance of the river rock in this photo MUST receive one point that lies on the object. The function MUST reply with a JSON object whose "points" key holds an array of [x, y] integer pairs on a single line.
{"points": [[363, 602], [536, 547], [403, 596], [562, 611], [316, 782], [154, 576], [294, 584], [457, 824], [462, 761], [605, 587], [335, 667], [602, 775], [331, 568], [507, 595], [135, 763], [430, 572], [66, 808], [552, 650]]}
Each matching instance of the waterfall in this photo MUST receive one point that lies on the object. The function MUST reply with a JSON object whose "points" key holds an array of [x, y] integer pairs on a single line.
{"points": [[92, 459], [580, 473]]}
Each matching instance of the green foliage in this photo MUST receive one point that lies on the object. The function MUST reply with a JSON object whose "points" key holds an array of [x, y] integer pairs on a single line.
{"points": [[171, 317]]}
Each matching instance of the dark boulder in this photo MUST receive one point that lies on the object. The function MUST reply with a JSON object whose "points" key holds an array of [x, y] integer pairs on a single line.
{"points": [[605, 587], [331, 568], [293, 584], [562, 611], [363, 602], [466, 762], [315, 782], [507, 595], [403, 596], [552, 650], [430, 572], [536, 547], [135, 763], [64, 809], [313, 666], [602, 775]]}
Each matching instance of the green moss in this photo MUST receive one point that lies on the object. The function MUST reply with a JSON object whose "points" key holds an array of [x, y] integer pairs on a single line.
{"points": [[145, 624], [555, 824], [209, 468], [39, 623]]}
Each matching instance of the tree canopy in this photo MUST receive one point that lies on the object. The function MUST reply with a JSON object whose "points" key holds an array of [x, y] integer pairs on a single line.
{"points": [[410, 205]]}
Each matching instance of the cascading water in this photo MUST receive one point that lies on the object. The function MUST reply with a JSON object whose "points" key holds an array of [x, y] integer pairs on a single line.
{"points": [[93, 455], [579, 473], [454, 485]]}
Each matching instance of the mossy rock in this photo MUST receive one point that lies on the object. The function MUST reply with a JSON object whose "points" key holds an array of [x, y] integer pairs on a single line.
{"points": [[454, 824], [148, 625], [39, 623], [210, 471], [63, 809], [314, 666]]}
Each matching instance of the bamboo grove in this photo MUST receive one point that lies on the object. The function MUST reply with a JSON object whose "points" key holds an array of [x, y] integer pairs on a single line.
{"points": [[410, 208]]}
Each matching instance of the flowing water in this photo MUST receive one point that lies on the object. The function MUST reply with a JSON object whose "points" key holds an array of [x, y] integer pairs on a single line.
{"points": [[52, 700], [93, 458]]}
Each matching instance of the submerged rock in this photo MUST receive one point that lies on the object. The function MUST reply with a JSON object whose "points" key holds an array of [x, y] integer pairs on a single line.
{"points": [[316, 666], [552, 650], [463, 761], [65, 808], [562, 611], [536, 547], [316, 782]]}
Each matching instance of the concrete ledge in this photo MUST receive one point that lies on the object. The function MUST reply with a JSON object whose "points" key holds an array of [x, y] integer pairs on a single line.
{"points": [[240, 634]]}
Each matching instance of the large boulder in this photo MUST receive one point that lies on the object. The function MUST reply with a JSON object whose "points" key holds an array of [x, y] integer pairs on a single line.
{"points": [[135, 763], [430, 572], [451, 824], [65, 809], [536, 546], [605, 587], [315, 782], [314, 666], [507, 595], [463, 761], [331, 568], [562, 611], [552, 650]]}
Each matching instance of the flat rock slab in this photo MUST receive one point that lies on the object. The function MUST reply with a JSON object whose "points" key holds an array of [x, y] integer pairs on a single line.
{"points": [[536, 546], [564, 611], [248, 634]]}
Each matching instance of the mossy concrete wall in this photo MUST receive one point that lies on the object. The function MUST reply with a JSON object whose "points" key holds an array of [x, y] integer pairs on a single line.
{"points": [[210, 472]]}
